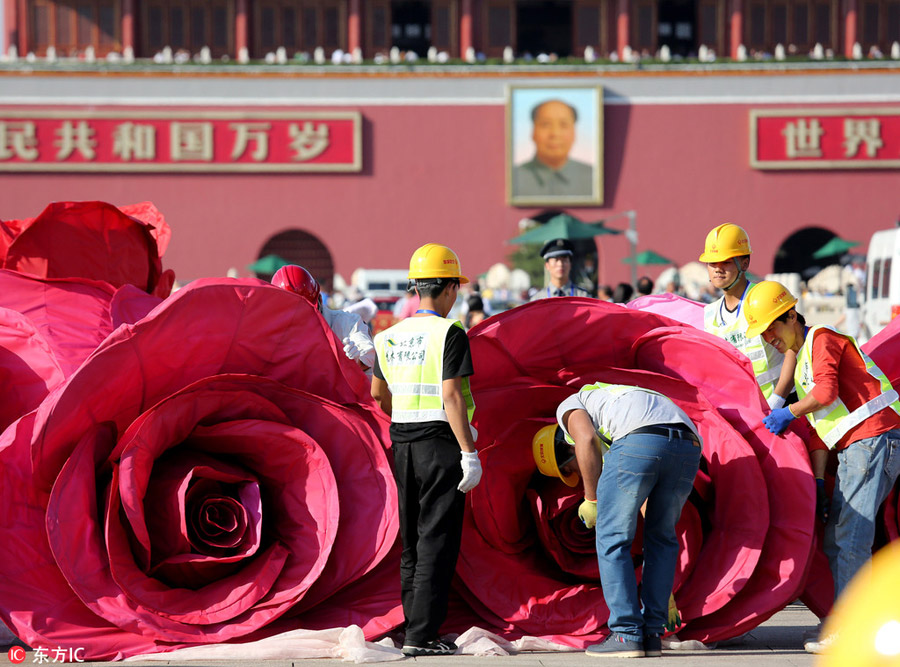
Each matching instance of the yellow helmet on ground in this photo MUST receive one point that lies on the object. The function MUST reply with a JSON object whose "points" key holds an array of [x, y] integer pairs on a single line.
{"points": [[724, 242], [866, 618], [764, 303], [435, 261], [549, 447]]}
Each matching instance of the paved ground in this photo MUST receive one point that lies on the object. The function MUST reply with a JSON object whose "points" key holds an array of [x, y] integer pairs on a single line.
{"points": [[775, 643]]}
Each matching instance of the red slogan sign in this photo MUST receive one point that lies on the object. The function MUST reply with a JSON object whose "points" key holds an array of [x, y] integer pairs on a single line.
{"points": [[171, 141], [825, 139]]}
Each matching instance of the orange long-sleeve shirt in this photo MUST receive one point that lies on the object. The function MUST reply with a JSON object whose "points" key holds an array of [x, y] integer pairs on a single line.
{"points": [[839, 372]]}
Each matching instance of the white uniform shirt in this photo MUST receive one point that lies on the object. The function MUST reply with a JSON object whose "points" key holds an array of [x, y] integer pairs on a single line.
{"points": [[620, 413], [350, 325]]}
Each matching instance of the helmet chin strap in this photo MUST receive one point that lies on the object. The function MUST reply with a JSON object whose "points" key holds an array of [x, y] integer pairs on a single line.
{"points": [[740, 273]]}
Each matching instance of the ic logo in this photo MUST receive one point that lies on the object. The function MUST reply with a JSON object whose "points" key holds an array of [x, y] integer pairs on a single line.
{"points": [[17, 655]]}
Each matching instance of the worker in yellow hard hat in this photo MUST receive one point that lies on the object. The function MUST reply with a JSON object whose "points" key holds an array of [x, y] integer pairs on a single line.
{"points": [[653, 455], [853, 408], [421, 379], [726, 254]]}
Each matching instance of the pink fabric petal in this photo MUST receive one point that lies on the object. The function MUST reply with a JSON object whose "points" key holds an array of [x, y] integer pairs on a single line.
{"points": [[92, 240], [674, 307]]}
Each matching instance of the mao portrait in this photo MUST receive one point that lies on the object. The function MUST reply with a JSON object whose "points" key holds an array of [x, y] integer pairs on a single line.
{"points": [[554, 145]]}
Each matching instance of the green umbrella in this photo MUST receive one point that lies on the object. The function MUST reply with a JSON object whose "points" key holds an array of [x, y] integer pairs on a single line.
{"points": [[836, 246], [563, 226], [268, 265], [648, 257]]}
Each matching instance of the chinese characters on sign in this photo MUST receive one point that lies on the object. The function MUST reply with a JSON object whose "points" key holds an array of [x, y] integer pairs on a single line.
{"points": [[205, 141], [825, 138]]}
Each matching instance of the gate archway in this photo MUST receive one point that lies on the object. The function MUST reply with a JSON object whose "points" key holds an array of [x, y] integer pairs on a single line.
{"points": [[299, 247]]}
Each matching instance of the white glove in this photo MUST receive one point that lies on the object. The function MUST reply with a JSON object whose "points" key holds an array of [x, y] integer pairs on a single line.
{"points": [[351, 349], [471, 468], [775, 401]]}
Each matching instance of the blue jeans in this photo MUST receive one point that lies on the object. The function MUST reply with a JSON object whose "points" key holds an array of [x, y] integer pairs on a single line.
{"points": [[867, 470], [660, 470]]}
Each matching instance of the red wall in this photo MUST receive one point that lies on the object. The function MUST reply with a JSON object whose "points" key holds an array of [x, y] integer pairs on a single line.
{"points": [[437, 173]]}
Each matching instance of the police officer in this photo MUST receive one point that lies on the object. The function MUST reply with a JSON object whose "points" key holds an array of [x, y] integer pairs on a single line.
{"points": [[557, 255], [421, 379]]}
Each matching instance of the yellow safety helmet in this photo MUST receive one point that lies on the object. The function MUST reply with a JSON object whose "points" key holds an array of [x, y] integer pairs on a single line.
{"points": [[545, 446], [435, 261], [724, 242], [866, 617], [764, 303]]}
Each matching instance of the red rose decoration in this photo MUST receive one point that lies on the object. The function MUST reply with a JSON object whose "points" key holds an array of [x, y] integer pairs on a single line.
{"points": [[92, 240], [209, 470]]}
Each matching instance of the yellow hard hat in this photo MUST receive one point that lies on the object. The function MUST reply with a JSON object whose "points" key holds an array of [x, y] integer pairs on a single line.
{"points": [[435, 261], [866, 617], [764, 303], [724, 242], [544, 449]]}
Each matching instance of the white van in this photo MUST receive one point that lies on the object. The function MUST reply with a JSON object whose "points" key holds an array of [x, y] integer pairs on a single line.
{"points": [[882, 302], [380, 282]]}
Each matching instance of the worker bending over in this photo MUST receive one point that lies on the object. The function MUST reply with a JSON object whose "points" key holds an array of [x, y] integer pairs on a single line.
{"points": [[653, 456]]}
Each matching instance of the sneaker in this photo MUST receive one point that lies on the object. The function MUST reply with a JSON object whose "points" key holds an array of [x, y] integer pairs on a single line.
{"points": [[437, 647], [820, 645], [652, 646], [617, 646]]}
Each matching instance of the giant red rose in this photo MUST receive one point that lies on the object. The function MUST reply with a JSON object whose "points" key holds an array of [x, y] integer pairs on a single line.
{"points": [[214, 472]]}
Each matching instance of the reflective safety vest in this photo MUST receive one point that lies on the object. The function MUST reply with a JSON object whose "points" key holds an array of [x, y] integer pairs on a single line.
{"points": [[617, 389], [411, 358], [766, 360], [834, 421]]}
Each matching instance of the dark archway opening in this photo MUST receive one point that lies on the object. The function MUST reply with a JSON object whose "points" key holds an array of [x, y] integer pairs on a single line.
{"points": [[544, 27], [795, 254], [411, 26], [299, 247]]}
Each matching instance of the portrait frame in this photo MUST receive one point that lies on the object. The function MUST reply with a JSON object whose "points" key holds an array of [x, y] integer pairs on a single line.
{"points": [[525, 176]]}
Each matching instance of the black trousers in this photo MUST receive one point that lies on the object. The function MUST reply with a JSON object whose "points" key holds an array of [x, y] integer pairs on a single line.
{"points": [[431, 518]]}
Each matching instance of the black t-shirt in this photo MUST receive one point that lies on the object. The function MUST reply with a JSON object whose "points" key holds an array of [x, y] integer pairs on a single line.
{"points": [[457, 363]]}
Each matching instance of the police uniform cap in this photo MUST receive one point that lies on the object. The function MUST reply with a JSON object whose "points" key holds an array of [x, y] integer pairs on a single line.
{"points": [[557, 248]]}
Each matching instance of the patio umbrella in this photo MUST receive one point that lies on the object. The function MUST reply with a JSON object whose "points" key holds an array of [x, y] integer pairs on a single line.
{"points": [[836, 246], [563, 226], [268, 265], [648, 257]]}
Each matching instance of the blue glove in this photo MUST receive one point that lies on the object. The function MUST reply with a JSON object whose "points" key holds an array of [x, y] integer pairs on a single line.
{"points": [[778, 420], [823, 503]]}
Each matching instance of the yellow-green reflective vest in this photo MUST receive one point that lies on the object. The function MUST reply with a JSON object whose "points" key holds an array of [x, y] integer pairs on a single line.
{"points": [[834, 421], [605, 436], [766, 360], [411, 358]]}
